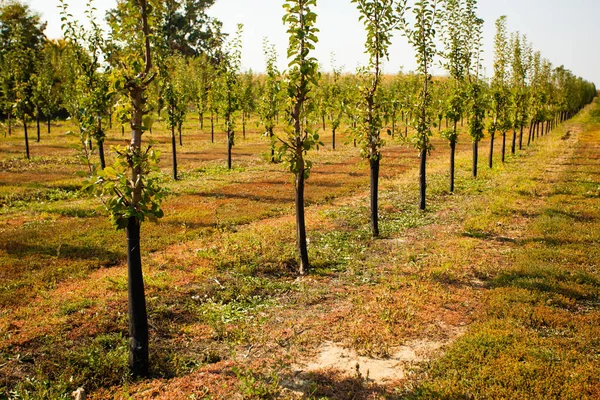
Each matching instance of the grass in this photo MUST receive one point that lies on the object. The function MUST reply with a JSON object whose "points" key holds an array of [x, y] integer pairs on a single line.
{"points": [[504, 270]]}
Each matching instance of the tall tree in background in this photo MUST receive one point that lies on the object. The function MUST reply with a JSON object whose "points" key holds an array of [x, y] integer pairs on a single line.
{"points": [[500, 89], [48, 81], [89, 96], [186, 27], [302, 77], [422, 36], [21, 40], [229, 88], [270, 99], [456, 55], [477, 100], [521, 61], [336, 103], [380, 19]]}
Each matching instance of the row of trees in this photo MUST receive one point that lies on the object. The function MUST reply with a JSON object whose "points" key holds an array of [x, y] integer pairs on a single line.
{"points": [[165, 59]]}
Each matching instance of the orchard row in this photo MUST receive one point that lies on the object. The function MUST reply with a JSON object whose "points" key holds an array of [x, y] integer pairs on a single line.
{"points": [[137, 72]]}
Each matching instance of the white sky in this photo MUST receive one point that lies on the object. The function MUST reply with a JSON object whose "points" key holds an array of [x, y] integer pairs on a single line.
{"points": [[566, 33]]}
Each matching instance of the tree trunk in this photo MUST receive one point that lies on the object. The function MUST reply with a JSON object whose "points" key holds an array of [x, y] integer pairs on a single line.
{"points": [[110, 121], [300, 222], [26, 139], [174, 150], [475, 157], [122, 130], [101, 154], [503, 146], [229, 147], [212, 128], [201, 120], [324, 127], [521, 138], [101, 145], [491, 158], [244, 125], [514, 141], [452, 162], [374, 196], [138, 319], [272, 145], [37, 123], [48, 122], [423, 180], [529, 135], [9, 125], [179, 128], [333, 138]]}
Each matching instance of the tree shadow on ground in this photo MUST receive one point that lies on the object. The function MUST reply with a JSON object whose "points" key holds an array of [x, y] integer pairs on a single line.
{"points": [[334, 385]]}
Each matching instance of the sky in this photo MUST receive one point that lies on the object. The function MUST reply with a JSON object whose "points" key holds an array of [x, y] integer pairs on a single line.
{"points": [[564, 32]]}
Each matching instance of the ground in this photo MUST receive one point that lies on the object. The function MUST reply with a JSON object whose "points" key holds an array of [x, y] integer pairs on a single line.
{"points": [[493, 292]]}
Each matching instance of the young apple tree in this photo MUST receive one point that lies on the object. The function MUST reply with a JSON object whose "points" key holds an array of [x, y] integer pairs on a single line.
{"points": [[131, 192], [302, 78], [380, 19], [422, 36]]}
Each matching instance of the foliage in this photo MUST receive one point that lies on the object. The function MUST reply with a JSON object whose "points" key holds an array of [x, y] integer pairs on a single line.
{"points": [[184, 25], [380, 20], [301, 79], [114, 186], [422, 36]]}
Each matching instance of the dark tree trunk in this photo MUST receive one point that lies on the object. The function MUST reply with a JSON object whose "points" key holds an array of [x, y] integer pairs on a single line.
{"points": [[180, 128], [324, 127], [174, 150], [122, 130], [48, 122], [503, 146], [37, 124], [110, 121], [475, 157], [212, 128], [101, 144], [446, 122], [229, 147], [272, 145], [201, 120], [138, 318], [521, 138], [423, 180], [513, 149], [452, 162], [491, 157], [26, 140], [301, 224], [9, 125], [333, 138], [244, 125], [101, 154], [374, 197], [529, 135]]}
